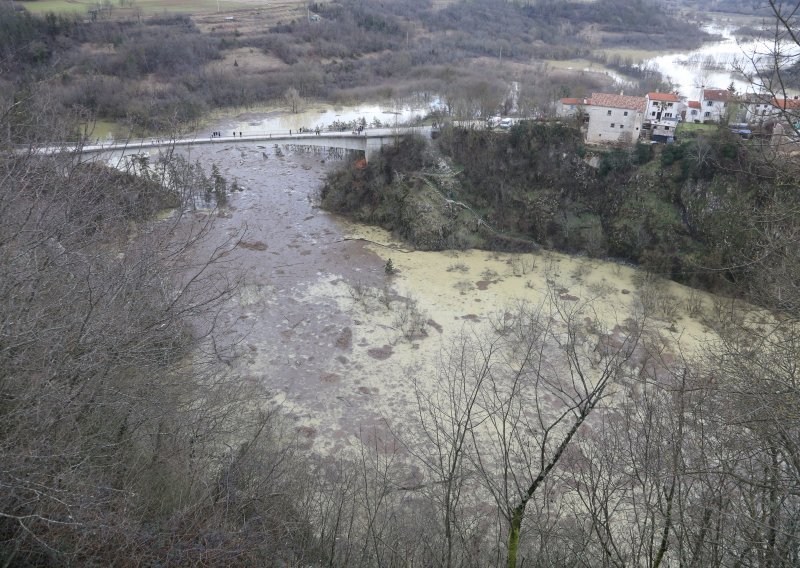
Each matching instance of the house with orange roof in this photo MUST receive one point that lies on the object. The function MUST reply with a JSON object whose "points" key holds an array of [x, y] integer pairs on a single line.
{"points": [[789, 105], [714, 104], [663, 106], [568, 107], [615, 119], [786, 123], [694, 112], [756, 109]]}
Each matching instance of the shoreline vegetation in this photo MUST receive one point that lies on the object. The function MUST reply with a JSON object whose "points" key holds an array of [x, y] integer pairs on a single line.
{"points": [[689, 212]]}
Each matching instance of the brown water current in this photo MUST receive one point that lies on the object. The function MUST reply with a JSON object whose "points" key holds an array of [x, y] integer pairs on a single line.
{"points": [[328, 332]]}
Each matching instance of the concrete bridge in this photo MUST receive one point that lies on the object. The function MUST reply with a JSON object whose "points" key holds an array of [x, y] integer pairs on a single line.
{"points": [[370, 141]]}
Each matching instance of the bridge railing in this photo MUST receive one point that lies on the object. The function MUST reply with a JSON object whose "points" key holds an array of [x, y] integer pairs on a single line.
{"points": [[100, 145]]}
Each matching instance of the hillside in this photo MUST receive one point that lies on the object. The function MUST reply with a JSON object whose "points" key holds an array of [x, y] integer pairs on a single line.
{"points": [[162, 71], [689, 212]]}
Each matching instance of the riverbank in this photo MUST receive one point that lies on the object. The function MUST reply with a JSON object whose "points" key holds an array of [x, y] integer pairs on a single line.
{"points": [[338, 341]]}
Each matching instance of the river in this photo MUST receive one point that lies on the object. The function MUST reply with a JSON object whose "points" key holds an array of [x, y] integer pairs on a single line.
{"points": [[716, 64], [323, 324]]}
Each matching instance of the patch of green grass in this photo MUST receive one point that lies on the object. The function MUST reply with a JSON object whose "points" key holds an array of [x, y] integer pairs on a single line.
{"points": [[58, 6], [101, 129], [693, 129]]}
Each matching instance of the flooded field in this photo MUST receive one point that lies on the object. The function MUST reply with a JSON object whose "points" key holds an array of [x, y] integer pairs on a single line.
{"points": [[275, 121], [337, 340]]}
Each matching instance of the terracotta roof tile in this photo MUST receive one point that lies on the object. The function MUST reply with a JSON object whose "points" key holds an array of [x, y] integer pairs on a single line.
{"points": [[665, 97], [575, 101], [716, 95], [619, 101], [786, 104], [694, 104]]}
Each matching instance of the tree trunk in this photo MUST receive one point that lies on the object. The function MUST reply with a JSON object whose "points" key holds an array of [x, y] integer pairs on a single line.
{"points": [[513, 535]]}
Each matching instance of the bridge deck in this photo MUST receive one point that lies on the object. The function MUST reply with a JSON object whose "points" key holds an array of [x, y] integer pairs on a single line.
{"points": [[348, 140]]}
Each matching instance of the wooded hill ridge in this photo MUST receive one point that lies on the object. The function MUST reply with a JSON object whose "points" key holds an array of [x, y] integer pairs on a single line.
{"points": [[163, 72]]}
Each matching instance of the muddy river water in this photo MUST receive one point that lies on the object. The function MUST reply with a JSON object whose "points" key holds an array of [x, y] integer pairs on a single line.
{"points": [[322, 321]]}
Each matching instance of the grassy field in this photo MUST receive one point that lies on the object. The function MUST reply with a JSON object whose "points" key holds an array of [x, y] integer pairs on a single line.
{"points": [[635, 55], [692, 129], [153, 6]]}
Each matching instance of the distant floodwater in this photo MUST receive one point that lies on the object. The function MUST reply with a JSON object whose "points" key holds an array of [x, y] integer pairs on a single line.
{"points": [[716, 64], [323, 116]]}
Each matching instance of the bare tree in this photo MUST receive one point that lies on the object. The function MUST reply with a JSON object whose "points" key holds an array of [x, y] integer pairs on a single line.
{"points": [[505, 410], [293, 99], [448, 414], [124, 431]]}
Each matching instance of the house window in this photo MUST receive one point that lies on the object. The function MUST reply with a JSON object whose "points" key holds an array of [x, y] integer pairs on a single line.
{"points": [[609, 113], [625, 113], [622, 126], [667, 114], [612, 125], [707, 114], [669, 105], [709, 103], [666, 128], [652, 114], [694, 112]]}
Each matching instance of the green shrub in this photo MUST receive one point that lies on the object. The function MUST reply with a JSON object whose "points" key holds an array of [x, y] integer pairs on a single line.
{"points": [[671, 154]]}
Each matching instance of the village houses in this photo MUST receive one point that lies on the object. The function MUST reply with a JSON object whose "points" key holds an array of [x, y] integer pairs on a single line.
{"points": [[623, 119]]}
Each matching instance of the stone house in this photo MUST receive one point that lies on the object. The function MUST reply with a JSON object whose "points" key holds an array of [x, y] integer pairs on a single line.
{"points": [[569, 107], [788, 109], [756, 109], [615, 118]]}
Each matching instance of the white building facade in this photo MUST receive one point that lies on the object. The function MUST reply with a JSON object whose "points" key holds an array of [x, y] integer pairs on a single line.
{"points": [[714, 105], [614, 119], [663, 106]]}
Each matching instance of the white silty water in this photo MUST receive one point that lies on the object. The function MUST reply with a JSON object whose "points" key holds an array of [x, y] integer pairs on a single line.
{"points": [[717, 64]]}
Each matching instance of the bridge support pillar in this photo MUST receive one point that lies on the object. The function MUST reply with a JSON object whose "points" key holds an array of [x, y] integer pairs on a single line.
{"points": [[374, 145]]}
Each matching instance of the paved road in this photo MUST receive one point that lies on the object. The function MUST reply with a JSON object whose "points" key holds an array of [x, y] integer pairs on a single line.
{"points": [[284, 136]]}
